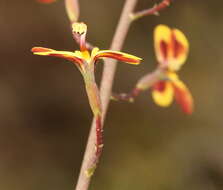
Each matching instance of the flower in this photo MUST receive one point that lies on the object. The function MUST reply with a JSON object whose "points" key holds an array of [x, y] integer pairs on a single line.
{"points": [[83, 59], [171, 48], [164, 91], [86, 61]]}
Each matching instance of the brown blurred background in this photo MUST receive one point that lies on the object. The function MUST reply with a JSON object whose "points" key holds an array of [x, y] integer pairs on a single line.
{"points": [[45, 116]]}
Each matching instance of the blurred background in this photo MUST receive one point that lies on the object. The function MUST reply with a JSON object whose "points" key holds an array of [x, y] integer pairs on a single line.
{"points": [[45, 116]]}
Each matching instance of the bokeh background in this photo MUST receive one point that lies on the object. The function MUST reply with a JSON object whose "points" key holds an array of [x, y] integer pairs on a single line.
{"points": [[45, 116]]}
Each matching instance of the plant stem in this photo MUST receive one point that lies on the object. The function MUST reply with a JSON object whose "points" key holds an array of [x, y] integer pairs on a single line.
{"points": [[110, 64], [143, 84], [99, 135], [106, 87], [95, 104], [129, 97], [151, 11]]}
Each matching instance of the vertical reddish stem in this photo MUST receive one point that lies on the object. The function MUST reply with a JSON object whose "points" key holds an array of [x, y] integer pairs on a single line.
{"points": [[99, 134]]}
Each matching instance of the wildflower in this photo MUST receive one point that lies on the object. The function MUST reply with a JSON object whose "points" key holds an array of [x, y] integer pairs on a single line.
{"points": [[83, 59], [171, 47], [164, 91], [85, 62]]}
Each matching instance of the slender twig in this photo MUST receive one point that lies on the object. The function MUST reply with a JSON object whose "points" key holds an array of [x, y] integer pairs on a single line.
{"points": [[106, 87], [143, 84], [129, 97], [151, 11]]}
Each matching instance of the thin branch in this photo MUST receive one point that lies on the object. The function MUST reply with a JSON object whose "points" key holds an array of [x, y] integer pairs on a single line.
{"points": [[151, 11], [145, 83], [106, 87], [129, 97]]}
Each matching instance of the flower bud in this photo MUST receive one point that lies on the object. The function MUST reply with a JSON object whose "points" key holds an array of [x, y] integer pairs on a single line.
{"points": [[72, 8]]}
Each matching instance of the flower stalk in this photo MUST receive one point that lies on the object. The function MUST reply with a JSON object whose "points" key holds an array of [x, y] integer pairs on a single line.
{"points": [[95, 104], [143, 84], [151, 11]]}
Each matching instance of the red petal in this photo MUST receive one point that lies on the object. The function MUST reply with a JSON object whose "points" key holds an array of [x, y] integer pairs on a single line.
{"points": [[178, 47], [160, 86], [184, 98], [120, 56], [41, 49]]}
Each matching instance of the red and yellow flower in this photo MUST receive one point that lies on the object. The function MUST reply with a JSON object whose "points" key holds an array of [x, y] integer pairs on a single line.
{"points": [[171, 47], [86, 61]]}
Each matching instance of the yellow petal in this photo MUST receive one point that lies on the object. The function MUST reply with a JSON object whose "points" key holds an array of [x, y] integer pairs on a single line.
{"points": [[124, 57], [62, 54], [162, 93], [83, 54], [171, 47], [162, 40], [180, 49], [94, 52]]}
